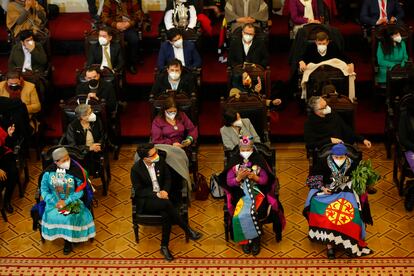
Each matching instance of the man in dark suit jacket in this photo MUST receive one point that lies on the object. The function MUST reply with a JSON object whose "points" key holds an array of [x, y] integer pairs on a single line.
{"points": [[151, 181], [175, 78], [373, 13], [96, 54], [180, 49], [246, 48], [97, 88], [27, 54]]}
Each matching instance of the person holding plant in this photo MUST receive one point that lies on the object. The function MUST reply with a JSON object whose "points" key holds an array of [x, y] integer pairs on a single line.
{"points": [[337, 207]]}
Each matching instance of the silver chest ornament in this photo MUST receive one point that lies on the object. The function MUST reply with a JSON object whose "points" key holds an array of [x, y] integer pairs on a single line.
{"points": [[180, 16]]}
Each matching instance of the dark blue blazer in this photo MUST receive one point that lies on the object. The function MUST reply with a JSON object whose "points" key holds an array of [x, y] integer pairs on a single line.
{"points": [[191, 56], [370, 11]]}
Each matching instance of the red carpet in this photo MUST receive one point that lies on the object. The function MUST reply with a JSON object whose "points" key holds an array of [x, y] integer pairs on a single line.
{"points": [[78, 22], [64, 72]]}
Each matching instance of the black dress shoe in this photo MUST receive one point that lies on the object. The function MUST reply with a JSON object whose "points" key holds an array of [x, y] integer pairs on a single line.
{"points": [[255, 248], [331, 253], [166, 253], [132, 69], [67, 248], [371, 190], [193, 235], [247, 249]]}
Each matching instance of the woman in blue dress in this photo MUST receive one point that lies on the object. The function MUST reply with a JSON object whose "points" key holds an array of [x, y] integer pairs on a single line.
{"points": [[63, 186]]}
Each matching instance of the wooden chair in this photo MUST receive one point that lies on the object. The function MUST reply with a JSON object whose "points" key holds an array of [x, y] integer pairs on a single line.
{"points": [[68, 115], [180, 197], [254, 71]]}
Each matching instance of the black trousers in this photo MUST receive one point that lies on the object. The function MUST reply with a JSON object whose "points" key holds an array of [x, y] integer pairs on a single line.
{"points": [[8, 164], [131, 37], [169, 214], [93, 10]]}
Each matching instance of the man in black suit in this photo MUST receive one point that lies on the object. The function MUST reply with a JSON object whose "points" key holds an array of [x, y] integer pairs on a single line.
{"points": [[247, 48], [106, 53], [174, 79], [374, 12], [151, 181], [97, 88]]}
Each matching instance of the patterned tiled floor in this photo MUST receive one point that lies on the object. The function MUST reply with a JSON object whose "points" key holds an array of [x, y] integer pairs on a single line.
{"points": [[391, 236]]}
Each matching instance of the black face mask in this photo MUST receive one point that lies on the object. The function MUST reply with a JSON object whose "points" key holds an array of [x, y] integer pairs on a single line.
{"points": [[15, 87], [93, 84]]}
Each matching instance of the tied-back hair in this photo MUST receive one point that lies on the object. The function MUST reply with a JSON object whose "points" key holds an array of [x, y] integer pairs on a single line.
{"points": [[313, 102], [143, 149], [229, 116], [387, 42], [169, 102]]}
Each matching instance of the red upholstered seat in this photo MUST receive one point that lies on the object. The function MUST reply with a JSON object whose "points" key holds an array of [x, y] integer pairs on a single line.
{"points": [[70, 26], [280, 26], [139, 114], [213, 72], [156, 18], [348, 28], [3, 63], [64, 73], [145, 75], [279, 66]]}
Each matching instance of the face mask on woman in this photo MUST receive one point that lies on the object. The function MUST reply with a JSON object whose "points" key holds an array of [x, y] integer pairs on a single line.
{"points": [[397, 38], [92, 117], [170, 115], [238, 123], [246, 154], [65, 165]]}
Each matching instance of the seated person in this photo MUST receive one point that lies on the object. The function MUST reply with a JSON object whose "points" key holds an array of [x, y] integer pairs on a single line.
{"points": [[27, 54], [325, 127], [379, 12], [303, 12], [238, 13], [26, 15], [181, 14], [391, 51], [175, 78], [246, 179], [8, 169], [151, 182], [124, 16], [15, 87], [330, 185], [97, 88], [62, 188], [178, 48], [234, 127], [173, 127], [323, 50], [406, 135], [245, 48], [86, 132], [247, 85], [106, 53]]}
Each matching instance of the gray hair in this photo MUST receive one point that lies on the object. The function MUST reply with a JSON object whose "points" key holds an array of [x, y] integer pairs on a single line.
{"points": [[59, 153], [313, 102], [81, 110]]}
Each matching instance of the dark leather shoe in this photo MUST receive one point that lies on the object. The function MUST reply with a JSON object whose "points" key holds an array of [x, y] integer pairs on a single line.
{"points": [[67, 248], [255, 248], [247, 248], [9, 208], [371, 190], [193, 235], [331, 253], [166, 253], [133, 69]]}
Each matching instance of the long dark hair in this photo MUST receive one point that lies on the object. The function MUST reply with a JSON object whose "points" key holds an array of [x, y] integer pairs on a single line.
{"points": [[169, 102], [387, 41]]}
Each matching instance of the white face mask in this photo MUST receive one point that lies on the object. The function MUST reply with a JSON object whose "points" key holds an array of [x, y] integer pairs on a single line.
{"points": [[322, 49], [246, 154], [339, 162], [92, 117], [102, 41], [174, 75], [65, 165], [238, 123], [327, 110], [178, 43], [247, 38], [170, 115], [397, 39], [31, 42]]}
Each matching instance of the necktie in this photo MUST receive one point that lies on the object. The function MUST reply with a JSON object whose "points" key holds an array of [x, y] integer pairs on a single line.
{"points": [[383, 9], [108, 58]]}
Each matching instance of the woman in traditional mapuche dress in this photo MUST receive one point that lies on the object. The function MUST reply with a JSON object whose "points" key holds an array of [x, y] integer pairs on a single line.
{"points": [[65, 216], [335, 213]]}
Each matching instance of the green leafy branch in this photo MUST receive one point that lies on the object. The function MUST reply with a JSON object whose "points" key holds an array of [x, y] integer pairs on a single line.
{"points": [[363, 176]]}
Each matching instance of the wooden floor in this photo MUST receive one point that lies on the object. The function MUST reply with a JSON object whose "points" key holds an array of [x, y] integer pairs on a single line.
{"points": [[391, 236]]}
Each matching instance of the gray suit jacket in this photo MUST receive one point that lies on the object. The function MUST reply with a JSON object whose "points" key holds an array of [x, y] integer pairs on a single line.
{"points": [[231, 138]]}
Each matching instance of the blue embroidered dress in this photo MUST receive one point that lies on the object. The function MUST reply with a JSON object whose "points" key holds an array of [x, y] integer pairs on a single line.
{"points": [[74, 227]]}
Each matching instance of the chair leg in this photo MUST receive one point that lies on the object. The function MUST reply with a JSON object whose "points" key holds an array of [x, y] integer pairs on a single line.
{"points": [[226, 225], [136, 232], [395, 171], [401, 183]]}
